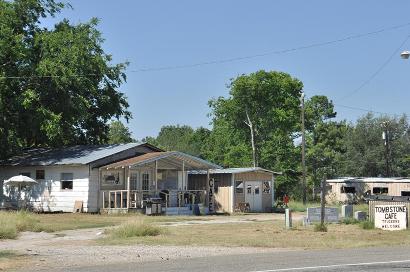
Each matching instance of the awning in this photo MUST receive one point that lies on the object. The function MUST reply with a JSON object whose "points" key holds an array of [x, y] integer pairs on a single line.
{"points": [[172, 159]]}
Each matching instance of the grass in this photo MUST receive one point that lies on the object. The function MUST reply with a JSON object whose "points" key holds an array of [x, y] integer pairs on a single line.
{"points": [[349, 221], [320, 227], [11, 223], [10, 260], [135, 228], [367, 225], [267, 234]]}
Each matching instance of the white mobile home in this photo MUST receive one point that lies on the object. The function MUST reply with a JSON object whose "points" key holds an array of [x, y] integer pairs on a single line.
{"points": [[353, 189], [109, 178], [66, 175]]}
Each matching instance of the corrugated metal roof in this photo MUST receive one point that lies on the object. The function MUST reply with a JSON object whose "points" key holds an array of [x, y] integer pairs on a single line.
{"points": [[233, 171], [80, 154], [191, 161], [369, 180]]}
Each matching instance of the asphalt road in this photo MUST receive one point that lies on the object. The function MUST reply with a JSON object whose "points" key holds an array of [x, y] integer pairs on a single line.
{"points": [[365, 259]]}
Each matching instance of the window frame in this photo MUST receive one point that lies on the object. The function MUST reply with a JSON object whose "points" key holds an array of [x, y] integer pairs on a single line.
{"points": [[382, 190], [145, 187], [236, 187], [263, 187], [44, 174], [343, 189], [62, 181]]}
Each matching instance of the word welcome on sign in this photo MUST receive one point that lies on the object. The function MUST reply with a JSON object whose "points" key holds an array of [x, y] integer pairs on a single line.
{"points": [[390, 217]]}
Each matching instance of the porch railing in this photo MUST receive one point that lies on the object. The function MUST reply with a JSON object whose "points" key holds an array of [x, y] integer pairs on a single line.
{"points": [[119, 199]]}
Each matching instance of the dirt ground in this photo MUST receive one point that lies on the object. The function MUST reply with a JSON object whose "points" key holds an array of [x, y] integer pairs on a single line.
{"points": [[79, 247]]}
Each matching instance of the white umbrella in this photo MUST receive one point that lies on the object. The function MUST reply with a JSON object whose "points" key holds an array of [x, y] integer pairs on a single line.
{"points": [[19, 181]]}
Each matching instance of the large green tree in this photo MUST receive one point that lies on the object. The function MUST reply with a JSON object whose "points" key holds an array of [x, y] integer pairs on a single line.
{"points": [[258, 121], [119, 133], [366, 150], [57, 86]]}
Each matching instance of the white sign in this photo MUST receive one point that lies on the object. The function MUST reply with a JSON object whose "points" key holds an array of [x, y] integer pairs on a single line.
{"points": [[390, 217]]}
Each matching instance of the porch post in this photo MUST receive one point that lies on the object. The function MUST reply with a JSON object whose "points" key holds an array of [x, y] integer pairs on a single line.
{"points": [[128, 186], [156, 176], [183, 176], [207, 189]]}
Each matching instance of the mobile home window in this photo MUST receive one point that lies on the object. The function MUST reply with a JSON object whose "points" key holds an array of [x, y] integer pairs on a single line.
{"points": [[380, 190], [348, 190], [405, 193], [40, 174], [239, 187], [266, 187], [66, 181]]}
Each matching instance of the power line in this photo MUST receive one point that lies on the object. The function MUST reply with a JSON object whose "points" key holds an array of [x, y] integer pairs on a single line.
{"points": [[272, 52], [374, 75], [363, 109], [221, 61]]}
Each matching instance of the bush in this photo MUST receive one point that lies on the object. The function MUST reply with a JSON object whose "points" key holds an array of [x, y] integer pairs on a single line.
{"points": [[135, 229], [320, 228], [11, 223], [349, 221], [367, 225]]}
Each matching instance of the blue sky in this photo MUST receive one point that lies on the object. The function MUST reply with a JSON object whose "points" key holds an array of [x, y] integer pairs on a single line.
{"points": [[152, 34]]}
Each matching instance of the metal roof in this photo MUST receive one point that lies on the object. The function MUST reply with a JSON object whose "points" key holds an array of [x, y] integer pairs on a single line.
{"points": [[191, 162], [369, 180], [73, 155], [233, 171]]}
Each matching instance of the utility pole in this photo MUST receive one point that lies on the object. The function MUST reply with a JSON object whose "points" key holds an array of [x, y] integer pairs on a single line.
{"points": [[386, 138], [302, 102], [250, 125]]}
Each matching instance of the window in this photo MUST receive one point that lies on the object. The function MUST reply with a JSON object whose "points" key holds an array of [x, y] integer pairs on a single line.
{"points": [[249, 189], [145, 181], [257, 190], [216, 186], [66, 181], [266, 187], [380, 190], [27, 174], [40, 174], [239, 187], [348, 190], [405, 193]]}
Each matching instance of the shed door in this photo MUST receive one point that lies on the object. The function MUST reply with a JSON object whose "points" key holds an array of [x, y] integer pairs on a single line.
{"points": [[253, 195]]}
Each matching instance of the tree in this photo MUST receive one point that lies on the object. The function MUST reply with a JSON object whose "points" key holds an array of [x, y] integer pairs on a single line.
{"points": [[119, 134], [366, 151], [262, 106], [181, 138], [57, 86]]}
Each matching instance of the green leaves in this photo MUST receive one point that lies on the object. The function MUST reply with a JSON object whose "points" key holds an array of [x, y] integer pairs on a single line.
{"points": [[60, 87]]}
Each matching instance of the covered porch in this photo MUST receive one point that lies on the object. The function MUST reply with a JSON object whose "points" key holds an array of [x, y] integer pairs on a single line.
{"points": [[159, 177]]}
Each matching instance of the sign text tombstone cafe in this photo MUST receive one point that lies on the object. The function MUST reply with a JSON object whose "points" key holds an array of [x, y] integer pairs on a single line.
{"points": [[390, 217]]}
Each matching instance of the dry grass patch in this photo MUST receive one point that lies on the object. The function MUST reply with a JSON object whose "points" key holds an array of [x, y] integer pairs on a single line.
{"points": [[273, 235], [10, 260], [135, 228]]}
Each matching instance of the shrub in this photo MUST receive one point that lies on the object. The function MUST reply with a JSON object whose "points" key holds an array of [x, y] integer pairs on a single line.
{"points": [[349, 221], [320, 228], [135, 229], [367, 225]]}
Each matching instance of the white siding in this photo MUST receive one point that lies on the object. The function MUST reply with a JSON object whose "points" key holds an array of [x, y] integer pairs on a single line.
{"points": [[49, 196]]}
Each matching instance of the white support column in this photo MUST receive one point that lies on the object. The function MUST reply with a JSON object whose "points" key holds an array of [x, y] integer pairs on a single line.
{"points": [[207, 188], [183, 176], [156, 176], [233, 193], [272, 189], [127, 170]]}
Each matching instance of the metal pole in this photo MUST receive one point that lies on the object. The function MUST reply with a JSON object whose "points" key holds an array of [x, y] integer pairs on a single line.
{"points": [[322, 201], [302, 100]]}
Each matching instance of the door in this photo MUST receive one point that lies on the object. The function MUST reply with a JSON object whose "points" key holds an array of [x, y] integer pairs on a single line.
{"points": [[253, 195]]}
